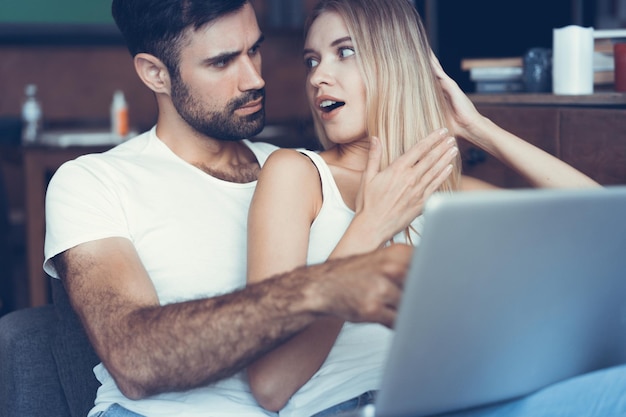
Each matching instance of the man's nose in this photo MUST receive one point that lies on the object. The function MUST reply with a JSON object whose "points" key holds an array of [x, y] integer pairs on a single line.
{"points": [[251, 78]]}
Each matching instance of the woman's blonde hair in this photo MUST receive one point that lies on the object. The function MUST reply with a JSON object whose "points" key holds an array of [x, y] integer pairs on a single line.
{"points": [[404, 101]]}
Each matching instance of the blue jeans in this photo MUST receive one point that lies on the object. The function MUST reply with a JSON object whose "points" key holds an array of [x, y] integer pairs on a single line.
{"points": [[597, 394], [117, 410], [349, 405]]}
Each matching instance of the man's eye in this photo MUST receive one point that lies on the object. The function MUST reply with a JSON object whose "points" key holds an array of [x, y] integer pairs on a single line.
{"points": [[346, 52], [221, 63], [254, 50], [311, 62]]}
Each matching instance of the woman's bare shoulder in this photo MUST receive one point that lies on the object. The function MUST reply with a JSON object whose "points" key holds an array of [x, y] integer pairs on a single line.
{"points": [[289, 161]]}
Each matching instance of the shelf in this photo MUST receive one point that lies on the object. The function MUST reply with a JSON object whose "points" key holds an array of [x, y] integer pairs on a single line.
{"points": [[608, 99]]}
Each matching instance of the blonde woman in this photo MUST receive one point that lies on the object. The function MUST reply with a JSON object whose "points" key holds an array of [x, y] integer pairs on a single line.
{"points": [[376, 94]]}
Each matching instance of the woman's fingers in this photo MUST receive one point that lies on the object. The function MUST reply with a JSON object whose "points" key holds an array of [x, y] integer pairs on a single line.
{"points": [[463, 112], [437, 158], [418, 151], [437, 68], [433, 170]]}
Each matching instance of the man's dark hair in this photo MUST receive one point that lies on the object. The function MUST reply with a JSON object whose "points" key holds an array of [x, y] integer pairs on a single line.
{"points": [[158, 27]]}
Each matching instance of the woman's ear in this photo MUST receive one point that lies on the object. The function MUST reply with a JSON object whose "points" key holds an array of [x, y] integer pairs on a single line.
{"points": [[152, 72]]}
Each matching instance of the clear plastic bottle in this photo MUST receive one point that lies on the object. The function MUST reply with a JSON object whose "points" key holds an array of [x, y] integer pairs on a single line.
{"points": [[32, 115], [119, 115]]}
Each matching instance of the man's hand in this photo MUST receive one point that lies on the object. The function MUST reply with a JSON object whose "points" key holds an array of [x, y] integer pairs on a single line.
{"points": [[363, 288]]}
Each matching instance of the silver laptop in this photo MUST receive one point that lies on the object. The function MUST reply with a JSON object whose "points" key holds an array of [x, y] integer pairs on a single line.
{"points": [[508, 292]]}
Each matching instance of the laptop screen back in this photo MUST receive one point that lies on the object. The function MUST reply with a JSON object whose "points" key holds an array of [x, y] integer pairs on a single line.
{"points": [[508, 292]]}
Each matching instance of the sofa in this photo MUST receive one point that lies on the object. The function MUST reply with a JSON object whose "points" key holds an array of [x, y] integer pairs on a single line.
{"points": [[6, 251], [46, 361]]}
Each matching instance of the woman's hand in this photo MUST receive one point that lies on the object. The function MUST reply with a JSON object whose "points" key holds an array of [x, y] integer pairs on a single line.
{"points": [[389, 200], [466, 121], [538, 167]]}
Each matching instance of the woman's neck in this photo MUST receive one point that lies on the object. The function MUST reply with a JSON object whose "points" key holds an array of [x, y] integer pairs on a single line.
{"points": [[352, 156]]}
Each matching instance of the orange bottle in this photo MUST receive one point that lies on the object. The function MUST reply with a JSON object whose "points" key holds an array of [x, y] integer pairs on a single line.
{"points": [[119, 115]]}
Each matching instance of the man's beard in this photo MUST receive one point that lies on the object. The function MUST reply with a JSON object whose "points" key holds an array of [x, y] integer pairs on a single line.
{"points": [[221, 125]]}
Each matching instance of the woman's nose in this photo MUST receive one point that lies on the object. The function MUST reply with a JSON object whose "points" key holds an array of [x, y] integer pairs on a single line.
{"points": [[321, 74]]}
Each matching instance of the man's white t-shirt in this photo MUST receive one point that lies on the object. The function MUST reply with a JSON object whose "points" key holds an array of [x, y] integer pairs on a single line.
{"points": [[189, 230]]}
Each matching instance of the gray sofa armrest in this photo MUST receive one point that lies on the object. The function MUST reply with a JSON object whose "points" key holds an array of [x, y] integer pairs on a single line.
{"points": [[74, 356], [29, 382], [46, 361]]}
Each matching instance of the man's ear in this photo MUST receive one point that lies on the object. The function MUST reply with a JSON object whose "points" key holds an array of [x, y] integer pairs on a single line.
{"points": [[152, 72]]}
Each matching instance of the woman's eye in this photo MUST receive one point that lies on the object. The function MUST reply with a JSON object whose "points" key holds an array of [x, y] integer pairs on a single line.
{"points": [[311, 62], [346, 52]]}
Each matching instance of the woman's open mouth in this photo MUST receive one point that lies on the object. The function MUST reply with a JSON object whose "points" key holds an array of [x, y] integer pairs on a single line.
{"points": [[329, 105]]}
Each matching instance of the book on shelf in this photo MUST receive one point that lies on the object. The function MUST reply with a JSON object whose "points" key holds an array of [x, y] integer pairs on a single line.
{"points": [[603, 77], [505, 75], [603, 46], [603, 60], [614, 34], [496, 73], [503, 87], [469, 63]]}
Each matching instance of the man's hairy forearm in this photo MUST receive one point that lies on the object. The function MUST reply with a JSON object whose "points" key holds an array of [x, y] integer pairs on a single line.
{"points": [[149, 349], [190, 344]]}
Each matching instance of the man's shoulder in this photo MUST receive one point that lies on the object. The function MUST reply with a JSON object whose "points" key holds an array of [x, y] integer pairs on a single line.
{"points": [[128, 149], [103, 164], [261, 149], [261, 146]]}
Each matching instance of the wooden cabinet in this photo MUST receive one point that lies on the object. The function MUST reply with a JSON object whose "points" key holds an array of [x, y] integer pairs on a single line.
{"points": [[588, 132], [594, 141], [38, 164]]}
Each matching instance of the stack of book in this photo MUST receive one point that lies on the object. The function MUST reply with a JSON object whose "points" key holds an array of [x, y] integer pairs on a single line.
{"points": [[495, 75], [505, 75], [603, 60]]}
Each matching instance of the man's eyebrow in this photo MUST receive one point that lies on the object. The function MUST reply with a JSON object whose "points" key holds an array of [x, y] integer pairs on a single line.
{"points": [[333, 43], [225, 56]]}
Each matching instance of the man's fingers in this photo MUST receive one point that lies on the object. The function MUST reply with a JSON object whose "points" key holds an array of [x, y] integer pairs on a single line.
{"points": [[386, 289], [388, 317], [401, 255], [382, 304], [397, 258]]}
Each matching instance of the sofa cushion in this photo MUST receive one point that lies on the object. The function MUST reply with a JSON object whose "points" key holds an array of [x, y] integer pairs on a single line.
{"points": [[75, 357], [29, 384]]}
